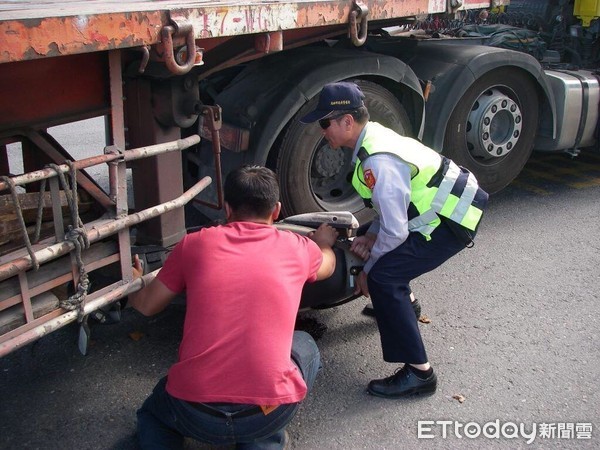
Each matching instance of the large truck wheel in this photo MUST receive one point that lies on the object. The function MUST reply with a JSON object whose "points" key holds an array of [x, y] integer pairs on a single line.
{"points": [[315, 177], [492, 129]]}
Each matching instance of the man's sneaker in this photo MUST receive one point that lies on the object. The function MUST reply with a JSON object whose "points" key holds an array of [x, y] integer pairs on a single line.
{"points": [[368, 310], [403, 383], [286, 440]]}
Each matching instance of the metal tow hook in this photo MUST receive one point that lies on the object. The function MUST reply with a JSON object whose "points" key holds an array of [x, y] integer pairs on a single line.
{"points": [[180, 27], [359, 11], [212, 116]]}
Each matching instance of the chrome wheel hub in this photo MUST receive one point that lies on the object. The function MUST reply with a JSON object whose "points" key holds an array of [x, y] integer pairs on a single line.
{"points": [[494, 125]]}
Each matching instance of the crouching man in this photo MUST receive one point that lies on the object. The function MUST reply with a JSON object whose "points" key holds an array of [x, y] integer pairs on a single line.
{"points": [[242, 370]]}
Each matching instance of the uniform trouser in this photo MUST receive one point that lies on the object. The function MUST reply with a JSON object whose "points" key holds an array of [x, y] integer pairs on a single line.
{"points": [[164, 421], [388, 283]]}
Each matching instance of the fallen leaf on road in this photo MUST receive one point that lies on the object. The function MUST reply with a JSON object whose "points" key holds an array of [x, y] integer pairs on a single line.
{"points": [[424, 319], [461, 398], [136, 335]]}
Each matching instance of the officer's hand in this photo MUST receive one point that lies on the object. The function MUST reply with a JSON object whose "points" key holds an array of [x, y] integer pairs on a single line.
{"points": [[361, 247], [324, 236], [360, 281]]}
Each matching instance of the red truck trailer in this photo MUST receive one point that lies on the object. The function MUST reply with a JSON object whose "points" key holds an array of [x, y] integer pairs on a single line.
{"points": [[191, 89]]}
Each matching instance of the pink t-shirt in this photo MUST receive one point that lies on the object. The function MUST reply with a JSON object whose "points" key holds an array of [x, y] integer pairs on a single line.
{"points": [[243, 283]]}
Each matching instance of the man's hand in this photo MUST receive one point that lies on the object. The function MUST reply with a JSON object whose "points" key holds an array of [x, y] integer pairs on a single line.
{"points": [[360, 281], [137, 272], [137, 269], [324, 236], [361, 245], [151, 299]]}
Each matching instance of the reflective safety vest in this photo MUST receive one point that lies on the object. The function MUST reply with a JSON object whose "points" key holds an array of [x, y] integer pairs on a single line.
{"points": [[438, 186]]}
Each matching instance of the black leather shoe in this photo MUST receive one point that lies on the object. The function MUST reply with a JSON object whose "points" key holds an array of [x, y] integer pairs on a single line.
{"points": [[403, 383], [369, 311]]}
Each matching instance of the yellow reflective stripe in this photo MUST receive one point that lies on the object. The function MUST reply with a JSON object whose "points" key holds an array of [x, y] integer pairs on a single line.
{"points": [[449, 206], [472, 218]]}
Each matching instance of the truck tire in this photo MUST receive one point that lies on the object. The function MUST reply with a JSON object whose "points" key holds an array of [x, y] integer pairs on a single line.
{"points": [[315, 177], [491, 131]]}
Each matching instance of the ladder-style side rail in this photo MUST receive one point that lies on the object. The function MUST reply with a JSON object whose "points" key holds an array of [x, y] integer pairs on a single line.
{"points": [[31, 277]]}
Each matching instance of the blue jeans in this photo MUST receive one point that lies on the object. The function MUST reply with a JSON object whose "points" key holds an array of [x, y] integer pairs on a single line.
{"points": [[164, 421]]}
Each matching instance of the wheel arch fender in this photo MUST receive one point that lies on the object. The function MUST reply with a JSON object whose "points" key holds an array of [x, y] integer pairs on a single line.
{"points": [[270, 92], [452, 69]]}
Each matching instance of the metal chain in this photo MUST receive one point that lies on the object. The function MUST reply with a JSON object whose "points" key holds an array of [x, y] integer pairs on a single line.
{"points": [[78, 236], [76, 301]]}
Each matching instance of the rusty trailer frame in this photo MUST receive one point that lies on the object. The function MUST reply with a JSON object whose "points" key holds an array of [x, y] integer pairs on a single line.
{"points": [[30, 284], [136, 63]]}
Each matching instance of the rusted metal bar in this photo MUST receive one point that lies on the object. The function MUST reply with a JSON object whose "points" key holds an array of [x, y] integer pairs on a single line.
{"points": [[212, 115], [26, 297], [59, 227], [101, 231], [110, 294], [56, 155], [117, 116], [145, 49], [127, 155], [55, 282], [117, 169]]}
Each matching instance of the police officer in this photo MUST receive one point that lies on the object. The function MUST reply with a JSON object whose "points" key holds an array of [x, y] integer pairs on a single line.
{"points": [[428, 210]]}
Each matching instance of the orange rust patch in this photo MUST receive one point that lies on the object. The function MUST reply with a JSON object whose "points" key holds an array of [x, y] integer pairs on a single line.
{"points": [[56, 36]]}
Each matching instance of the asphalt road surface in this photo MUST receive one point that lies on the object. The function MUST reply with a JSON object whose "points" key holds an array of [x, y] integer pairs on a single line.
{"points": [[513, 335]]}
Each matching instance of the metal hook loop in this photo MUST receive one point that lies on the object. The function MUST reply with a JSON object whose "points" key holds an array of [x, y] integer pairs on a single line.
{"points": [[181, 27], [362, 11]]}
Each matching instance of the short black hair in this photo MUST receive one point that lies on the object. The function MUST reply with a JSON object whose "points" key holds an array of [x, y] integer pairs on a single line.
{"points": [[252, 191], [361, 115]]}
